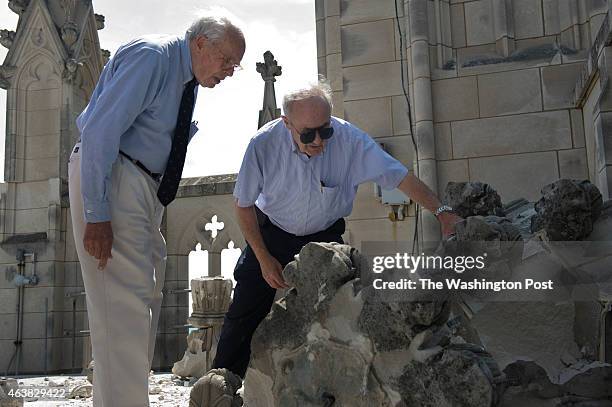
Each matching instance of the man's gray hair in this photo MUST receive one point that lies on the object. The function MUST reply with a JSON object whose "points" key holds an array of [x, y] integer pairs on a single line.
{"points": [[320, 89], [214, 28]]}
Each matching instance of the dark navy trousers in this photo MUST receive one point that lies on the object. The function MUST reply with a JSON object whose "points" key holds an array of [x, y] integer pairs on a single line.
{"points": [[253, 297]]}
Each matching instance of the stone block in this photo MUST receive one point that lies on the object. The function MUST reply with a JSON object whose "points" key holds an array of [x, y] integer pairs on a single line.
{"points": [[43, 99], [42, 147], [367, 205], [558, 83], [455, 99], [321, 38], [334, 71], [595, 24], [171, 266], [457, 25], [552, 22], [42, 122], [31, 195], [517, 175], [8, 326], [34, 300], [451, 171], [320, 9], [577, 128], [332, 35], [359, 11], [381, 230], [371, 81], [401, 124], [511, 134], [34, 325], [33, 355], [509, 92], [444, 147], [321, 66], [528, 20], [479, 22], [573, 164], [31, 220], [371, 115], [332, 8], [41, 169], [368, 43], [399, 147]]}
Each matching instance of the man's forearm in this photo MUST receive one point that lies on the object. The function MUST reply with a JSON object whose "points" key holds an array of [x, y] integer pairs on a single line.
{"points": [[247, 220], [419, 192]]}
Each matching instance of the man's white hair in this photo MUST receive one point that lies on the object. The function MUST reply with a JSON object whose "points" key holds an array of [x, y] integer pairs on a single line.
{"points": [[320, 89], [214, 27]]}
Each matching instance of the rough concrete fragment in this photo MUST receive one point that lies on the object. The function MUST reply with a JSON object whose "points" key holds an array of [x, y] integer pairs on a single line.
{"points": [[473, 198], [567, 210], [458, 377], [355, 346], [314, 281], [589, 383], [217, 388], [83, 391], [195, 359]]}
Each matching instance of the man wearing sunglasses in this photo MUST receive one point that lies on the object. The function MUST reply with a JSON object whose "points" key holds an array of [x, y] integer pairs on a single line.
{"points": [[297, 182], [122, 173]]}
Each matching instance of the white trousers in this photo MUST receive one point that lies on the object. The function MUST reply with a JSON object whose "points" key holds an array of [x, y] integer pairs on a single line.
{"points": [[123, 300]]}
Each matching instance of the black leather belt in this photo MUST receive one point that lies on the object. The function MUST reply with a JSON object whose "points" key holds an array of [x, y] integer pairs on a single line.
{"points": [[156, 177]]}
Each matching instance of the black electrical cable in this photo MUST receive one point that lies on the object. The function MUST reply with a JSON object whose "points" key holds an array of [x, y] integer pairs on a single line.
{"points": [[415, 238]]}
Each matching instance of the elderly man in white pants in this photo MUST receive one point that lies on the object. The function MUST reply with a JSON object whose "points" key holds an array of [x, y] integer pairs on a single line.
{"points": [[123, 171]]}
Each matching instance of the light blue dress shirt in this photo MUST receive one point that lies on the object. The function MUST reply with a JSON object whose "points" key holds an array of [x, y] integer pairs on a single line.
{"points": [[134, 109], [303, 195]]}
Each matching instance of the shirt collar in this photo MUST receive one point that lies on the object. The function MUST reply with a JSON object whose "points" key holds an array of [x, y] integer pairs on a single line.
{"points": [[186, 59]]}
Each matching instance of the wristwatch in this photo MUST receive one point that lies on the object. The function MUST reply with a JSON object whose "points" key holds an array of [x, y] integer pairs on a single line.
{"points": [[443, 208]]}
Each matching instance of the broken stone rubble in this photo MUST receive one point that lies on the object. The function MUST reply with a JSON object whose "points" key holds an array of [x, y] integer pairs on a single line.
{"points": [[333, 340]]}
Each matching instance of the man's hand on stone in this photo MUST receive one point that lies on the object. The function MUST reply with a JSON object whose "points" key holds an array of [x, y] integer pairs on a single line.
{"points": [[98, 242], [448, 221], [272, 272]]}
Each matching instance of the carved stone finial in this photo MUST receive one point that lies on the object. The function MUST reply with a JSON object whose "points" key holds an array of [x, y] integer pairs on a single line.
{"points": [[6, 72], [99, 21], [7, 38], [269, 70], [105, 55], [18, 6], [217, 388], [70, 33], [70, 69]]}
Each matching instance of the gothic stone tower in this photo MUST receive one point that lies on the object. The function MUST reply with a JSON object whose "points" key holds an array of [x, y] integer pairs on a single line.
{"points": [[52, 66]]}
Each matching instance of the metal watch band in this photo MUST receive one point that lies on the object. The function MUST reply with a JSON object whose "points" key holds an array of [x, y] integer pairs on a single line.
{"points": [[443, 208]]}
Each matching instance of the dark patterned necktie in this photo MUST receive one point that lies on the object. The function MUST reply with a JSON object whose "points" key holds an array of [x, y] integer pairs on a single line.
{"points": [[174, 168]]}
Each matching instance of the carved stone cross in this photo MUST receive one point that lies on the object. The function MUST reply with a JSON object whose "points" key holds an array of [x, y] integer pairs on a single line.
{"points": [[269, 70]]}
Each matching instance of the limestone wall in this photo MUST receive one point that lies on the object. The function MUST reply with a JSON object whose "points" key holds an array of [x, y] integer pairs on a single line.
{"points": [[491, 83]]}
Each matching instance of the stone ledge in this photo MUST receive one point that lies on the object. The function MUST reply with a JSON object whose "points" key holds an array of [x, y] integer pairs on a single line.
{"points": [[205, 186]]}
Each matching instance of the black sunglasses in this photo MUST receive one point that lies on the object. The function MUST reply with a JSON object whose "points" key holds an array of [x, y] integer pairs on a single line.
{"points": [[308, 135]]}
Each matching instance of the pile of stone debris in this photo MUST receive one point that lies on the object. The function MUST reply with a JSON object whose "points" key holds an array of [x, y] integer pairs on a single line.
{"points": [[165, 390], [333, 340]]}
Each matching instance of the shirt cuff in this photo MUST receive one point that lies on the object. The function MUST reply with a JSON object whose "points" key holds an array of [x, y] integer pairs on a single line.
{"points": [[96, 212]]}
